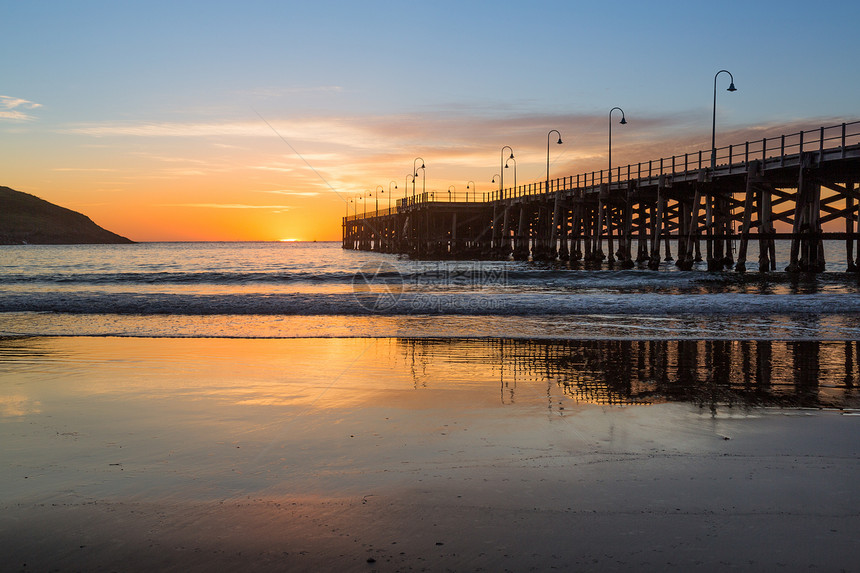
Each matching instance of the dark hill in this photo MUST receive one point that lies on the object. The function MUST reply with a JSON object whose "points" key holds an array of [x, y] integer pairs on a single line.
{"points": [[25, 218]]}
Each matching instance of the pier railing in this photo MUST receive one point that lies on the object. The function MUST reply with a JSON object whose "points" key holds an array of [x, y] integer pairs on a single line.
{"points": [[772, 151]]}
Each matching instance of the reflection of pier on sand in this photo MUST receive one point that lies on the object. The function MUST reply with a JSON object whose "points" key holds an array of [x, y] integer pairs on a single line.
{"points": [[709, 373]]}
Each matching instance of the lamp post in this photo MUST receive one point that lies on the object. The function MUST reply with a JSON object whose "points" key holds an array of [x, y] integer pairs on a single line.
{"points": [[559, 142], [622, 122], [502, 168], [515, 170], [378, 187], [449, 192], [731, 88], [474, 190], [389, 194], [406, 185], [415, 169], [355, 200]]}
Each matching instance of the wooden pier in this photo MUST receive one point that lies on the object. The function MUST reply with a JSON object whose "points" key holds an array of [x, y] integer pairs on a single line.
{"points": [[671, 209]]}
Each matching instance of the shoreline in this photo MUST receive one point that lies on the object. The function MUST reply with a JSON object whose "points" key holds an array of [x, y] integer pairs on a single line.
{"points": [[738, 327]]}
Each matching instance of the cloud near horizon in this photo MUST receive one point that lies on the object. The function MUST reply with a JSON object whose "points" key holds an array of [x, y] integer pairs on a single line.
{"points": [[278, 208]]}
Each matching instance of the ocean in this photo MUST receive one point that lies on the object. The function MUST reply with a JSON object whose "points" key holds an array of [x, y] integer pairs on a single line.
{"points": [[295, 290]]}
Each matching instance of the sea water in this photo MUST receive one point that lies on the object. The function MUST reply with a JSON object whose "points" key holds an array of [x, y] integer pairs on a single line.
{"points": [[290, 290]]}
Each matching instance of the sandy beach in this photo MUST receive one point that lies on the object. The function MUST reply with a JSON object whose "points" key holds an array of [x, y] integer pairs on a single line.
{"points": [[129, 454]]}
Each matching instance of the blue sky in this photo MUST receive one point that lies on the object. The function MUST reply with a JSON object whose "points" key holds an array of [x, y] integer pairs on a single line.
{"points": [[126, 89]]}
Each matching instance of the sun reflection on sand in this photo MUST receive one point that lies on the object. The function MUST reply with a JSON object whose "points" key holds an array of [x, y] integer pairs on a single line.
{"points": [[19, 405]]}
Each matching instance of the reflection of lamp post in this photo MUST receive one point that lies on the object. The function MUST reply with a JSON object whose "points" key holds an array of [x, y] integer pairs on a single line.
{"points": [[622, 122], [547, 155], [415, 169], [731, 88], [389, 194], [515, 170], [449, 192], [474, 190], [502, 168]]}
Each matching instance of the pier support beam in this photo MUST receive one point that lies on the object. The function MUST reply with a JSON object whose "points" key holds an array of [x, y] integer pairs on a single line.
{"points": [[849, 228], [753, 177], [807, 249]]}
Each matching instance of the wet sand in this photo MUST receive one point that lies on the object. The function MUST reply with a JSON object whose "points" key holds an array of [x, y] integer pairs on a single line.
{"points": [[363, 455]]}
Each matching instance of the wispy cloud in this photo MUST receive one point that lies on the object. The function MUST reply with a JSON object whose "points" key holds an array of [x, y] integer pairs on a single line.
{"points": [[13, 108], [85, 169], [350, 153], [227, 206], [291, 193]]}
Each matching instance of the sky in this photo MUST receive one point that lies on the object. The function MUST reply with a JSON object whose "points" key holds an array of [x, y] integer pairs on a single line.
{"points": [[259, 120]]}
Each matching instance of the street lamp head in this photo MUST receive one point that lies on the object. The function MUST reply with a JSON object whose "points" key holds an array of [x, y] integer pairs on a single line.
{"points": [[512, 155], [559, 141], [732, 87], [623, 121], [422, 165]]}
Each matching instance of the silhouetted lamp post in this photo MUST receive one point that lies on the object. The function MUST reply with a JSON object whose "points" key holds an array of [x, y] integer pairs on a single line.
{"points": [[389, 194], [406, 186], [474, 190], [622, 122], [449, 192], [502, 168], [731, 88], [547, 155], [415, 169], [378, 187], [515, 169]]}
